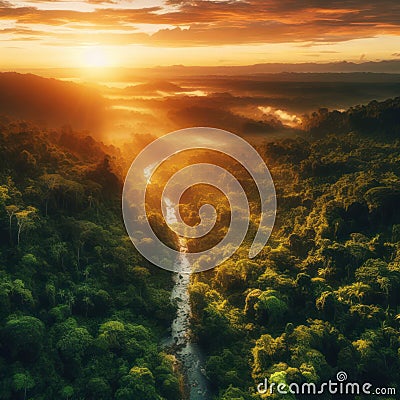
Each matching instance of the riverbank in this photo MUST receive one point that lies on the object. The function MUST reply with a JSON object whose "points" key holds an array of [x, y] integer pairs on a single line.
{"points": [[187, 353]]}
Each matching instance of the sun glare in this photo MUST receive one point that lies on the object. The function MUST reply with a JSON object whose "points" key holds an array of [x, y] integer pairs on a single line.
{"points": [[95, 57]]}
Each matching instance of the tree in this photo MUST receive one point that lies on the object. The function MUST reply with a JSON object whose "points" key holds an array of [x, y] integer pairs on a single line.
{"points": [[98, 389], [251, 301], [353, 293], [234, 393], [67, 392], [50, 182], [271, 306], [266, 351], [58, 251], [11, 211], [3, 194], [112, 335], [138, 384], [74, 343], [20, 294], [24, 335], [327, 303], [23, 381], [25, 220]]}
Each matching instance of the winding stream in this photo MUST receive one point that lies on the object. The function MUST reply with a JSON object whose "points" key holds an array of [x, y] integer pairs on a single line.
{"points": [[187, 352]]}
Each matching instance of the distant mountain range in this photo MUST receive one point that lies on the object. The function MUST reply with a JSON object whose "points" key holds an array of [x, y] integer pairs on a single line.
{"points": [[50, 102], [389, 66], [385, 66]]}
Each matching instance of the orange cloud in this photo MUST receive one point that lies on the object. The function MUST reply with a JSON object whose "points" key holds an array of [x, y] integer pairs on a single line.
{"points": [[230, 29], [204, 23]]}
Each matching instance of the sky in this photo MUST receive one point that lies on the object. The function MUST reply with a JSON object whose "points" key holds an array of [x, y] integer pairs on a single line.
{"points": [[145, 33]]}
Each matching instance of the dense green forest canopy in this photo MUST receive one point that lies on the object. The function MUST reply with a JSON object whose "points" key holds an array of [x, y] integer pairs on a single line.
{"points": [[323, 296], [82, 315], [374, 118]]}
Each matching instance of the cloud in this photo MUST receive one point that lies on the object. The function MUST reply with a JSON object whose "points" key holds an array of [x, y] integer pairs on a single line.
{"points": [[286, 118], [154, 88], [101, 1], [224, 119], [203, 23]]}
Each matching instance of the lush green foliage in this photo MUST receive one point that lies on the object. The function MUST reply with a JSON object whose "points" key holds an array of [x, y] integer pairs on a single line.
{"points": [[324, 295], [82, 314], [80, 317]]}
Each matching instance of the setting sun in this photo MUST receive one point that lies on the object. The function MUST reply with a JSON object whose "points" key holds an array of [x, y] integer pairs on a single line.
{"points": [[95, 57]]}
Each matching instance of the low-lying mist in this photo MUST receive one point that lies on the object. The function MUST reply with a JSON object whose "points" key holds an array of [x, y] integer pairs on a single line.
{"points": [[132, 113]]}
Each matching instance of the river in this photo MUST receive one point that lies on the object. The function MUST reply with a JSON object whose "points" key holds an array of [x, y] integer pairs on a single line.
{"points": [[187, 352]]}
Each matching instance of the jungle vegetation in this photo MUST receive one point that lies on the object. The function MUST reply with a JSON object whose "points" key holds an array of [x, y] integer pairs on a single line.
{"points": [[82, 315]]}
